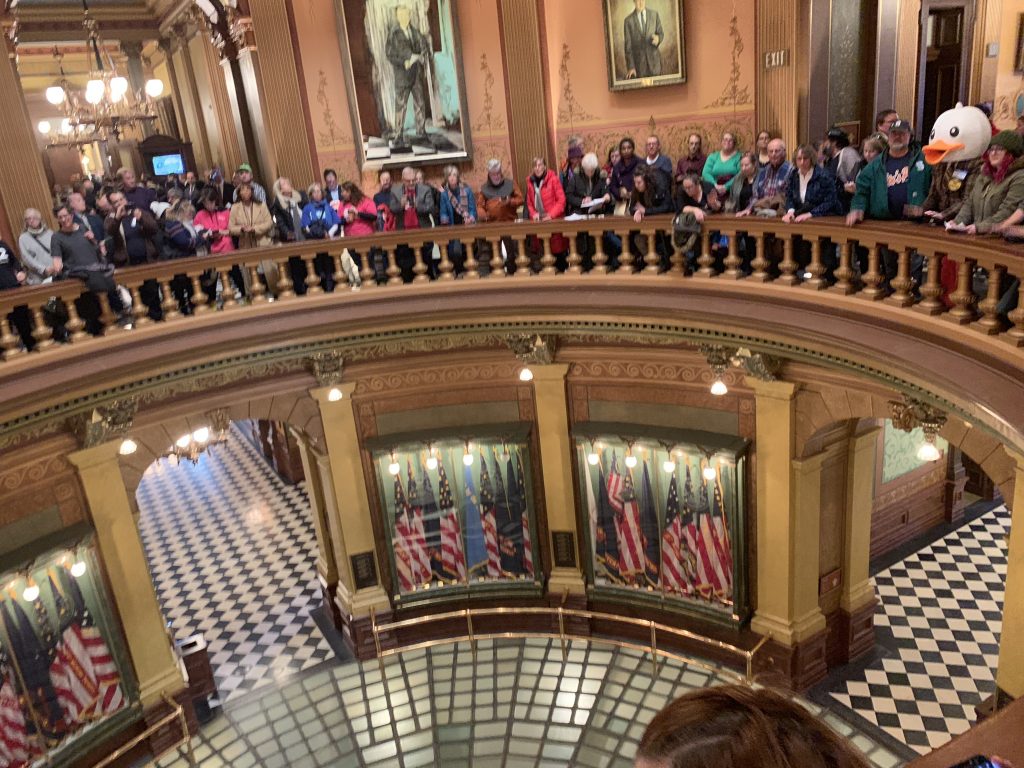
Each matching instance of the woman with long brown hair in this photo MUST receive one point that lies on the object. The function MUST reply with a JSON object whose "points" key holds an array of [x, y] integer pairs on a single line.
{"points": [[735, 726]]}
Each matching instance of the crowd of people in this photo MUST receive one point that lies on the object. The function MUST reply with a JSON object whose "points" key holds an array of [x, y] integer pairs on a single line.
{"points": [[120, 221]]}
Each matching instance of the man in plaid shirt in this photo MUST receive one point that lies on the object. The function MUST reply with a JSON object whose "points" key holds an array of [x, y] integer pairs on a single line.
{"points": [[772, 181]]}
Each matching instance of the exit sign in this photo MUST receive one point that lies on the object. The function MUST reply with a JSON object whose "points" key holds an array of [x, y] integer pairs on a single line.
{"points": [[776, 59]]}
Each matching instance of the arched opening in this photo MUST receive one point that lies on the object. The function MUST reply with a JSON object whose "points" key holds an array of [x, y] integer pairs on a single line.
{"points": [[230, 536]]}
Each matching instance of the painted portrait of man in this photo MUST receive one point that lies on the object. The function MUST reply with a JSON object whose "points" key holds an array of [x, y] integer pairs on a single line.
{"points": [[644, 43]]}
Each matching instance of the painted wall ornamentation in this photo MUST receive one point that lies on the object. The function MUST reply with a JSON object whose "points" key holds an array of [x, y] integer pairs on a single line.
{"points": [[569, 110], [735, 93]]}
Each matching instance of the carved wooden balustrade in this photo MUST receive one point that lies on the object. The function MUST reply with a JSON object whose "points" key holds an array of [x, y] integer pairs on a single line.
{"points": [[775, 249]]}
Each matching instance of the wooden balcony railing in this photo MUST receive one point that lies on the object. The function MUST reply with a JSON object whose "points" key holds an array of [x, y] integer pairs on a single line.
{"points": [[776, 247]]}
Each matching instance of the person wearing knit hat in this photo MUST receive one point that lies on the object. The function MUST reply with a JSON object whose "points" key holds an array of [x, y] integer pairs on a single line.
{"points": [[999, 190]]}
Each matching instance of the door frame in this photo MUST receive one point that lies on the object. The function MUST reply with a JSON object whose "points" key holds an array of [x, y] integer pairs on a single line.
{"points": [[966, 46]]}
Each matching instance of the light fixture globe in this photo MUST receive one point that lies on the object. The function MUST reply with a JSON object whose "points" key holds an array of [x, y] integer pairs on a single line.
{"points": [[94, 97], [201, 435], [718, 388], [334, 395], [44, 127], [183, 441], [592, 459], [928, 452], [467, 459], [154, 88], [709, 473], [669, 466], [631, 461], [55, 95], [432, 463], [78, 569], [394, 468], [119, 85], [31, 592], [65, 126], [128, 447], [526, 374]]}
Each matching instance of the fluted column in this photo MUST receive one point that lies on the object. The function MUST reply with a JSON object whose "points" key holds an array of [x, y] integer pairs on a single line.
{"points": [[117, 537], [183, 34], [167, 46], [136, 76], [281, 88], [322, 504], [21, 164]]}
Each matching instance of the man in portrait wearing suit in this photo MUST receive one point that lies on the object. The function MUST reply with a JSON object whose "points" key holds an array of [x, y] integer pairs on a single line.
{"points": [[409, 54], [642, 38]]}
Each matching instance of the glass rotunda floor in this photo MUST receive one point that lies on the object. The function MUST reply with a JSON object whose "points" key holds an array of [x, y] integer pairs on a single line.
{"points": [[519, 705]]}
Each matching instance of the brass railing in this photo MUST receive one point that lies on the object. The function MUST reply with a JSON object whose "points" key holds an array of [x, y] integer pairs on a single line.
{"points": [[774, 262], [561, 614], [177, 713]]}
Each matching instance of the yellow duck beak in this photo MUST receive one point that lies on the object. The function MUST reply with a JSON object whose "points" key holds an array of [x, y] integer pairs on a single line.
{"points": [[936, 152]]}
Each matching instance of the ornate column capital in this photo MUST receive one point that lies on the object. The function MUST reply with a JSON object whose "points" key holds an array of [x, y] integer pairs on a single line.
{"points": [[533, 348], [327, 367], [131, 48], [106, 422]]}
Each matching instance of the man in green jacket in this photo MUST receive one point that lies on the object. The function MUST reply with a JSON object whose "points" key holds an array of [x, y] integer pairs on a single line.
{"points": [[893, 187]]}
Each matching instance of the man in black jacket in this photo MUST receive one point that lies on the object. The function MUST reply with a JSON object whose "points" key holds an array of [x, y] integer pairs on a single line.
{"points": [[409, 54]]}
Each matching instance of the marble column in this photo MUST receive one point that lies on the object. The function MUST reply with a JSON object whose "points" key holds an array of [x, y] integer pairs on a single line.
{"points": [[1010, 673], [136, 77]]}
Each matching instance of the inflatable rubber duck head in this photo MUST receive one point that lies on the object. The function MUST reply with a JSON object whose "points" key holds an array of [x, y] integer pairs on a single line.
{"points": [[960, 133]]}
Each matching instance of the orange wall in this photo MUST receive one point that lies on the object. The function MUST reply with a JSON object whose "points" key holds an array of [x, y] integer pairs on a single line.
{"points": [[1009, 84], [710, 102], [577, 82]]}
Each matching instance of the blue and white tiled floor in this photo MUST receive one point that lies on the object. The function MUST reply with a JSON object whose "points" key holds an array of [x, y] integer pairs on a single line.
{"points": [[232, 550]]}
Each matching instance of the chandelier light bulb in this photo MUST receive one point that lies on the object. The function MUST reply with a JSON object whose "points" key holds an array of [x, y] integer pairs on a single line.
{"points": [[201, 435], [593, 458], [43, 126], [928, 452], [718, 388], [334, 395], [55, 95], [78, 569], [154, 88], [173, 459], [183, 441], [31, 592], [526, 374], [394, 467], [94, 97], [631, 461], [432, 463], [709, 473], [116, 97], [128, 447], [95, 86], [119, 85], [467, 459], [669, 466]]}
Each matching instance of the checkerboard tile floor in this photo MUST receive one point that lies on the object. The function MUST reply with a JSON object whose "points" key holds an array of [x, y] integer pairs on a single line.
{"points": [[944, 607], [232, 551], [517, 704]]}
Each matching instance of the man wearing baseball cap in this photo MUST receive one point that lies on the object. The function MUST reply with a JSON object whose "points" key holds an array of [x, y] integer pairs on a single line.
{"points": [[893, 186], [259, 194]]}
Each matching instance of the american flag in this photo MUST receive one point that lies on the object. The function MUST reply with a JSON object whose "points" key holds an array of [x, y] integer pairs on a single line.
{"points": [[84, 673], [706, 547], [406, 564], [527, 541], [507, 520], [34, 654], [453, 558], [606, 537], [487, 513], [419, 536], [649, 530], [431, 527], [16, 747], [723, 544], [627, 524], [699, 583], [672, 572]]}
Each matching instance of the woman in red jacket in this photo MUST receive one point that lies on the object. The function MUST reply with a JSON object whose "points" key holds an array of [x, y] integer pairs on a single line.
{"points": [[545, 200]]}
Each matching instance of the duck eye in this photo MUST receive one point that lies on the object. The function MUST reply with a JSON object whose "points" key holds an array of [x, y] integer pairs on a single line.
{"points": [[932, 137], [954, 131]]}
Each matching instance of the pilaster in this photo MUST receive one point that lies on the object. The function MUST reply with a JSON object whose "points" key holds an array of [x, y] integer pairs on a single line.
{"points": [[326, 566], [556, 456], [1010, 673], [149, 645]]}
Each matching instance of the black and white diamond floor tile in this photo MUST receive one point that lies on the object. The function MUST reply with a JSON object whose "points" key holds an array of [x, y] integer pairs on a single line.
{"points": [[943, 606], [232, 549]]}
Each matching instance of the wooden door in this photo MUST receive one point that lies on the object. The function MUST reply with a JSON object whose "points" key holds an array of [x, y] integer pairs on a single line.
{"points": [[943, 41]]}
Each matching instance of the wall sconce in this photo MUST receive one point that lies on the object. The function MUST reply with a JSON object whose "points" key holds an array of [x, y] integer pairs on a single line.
{"points": [[630, 458], [467, 457], [394, 467], [31, 593], [431, 457], [128, 447]]}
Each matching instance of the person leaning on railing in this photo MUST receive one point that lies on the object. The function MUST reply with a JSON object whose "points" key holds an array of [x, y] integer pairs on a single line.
{"points": [[999, 190], [812, 192], [249, 220], [893, 186], [457, 206], [500, 199], [13, 275]]}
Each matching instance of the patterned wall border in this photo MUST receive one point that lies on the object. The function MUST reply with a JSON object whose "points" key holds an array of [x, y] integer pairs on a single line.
{"points": [[435, 338]]}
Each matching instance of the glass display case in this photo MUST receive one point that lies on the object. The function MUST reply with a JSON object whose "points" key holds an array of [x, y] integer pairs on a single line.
{"points": [[64, 677], [665, 517], [459, 514]]}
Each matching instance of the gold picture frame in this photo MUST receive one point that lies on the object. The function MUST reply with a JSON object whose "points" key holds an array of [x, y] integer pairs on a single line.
{"points": [[645, 43]]}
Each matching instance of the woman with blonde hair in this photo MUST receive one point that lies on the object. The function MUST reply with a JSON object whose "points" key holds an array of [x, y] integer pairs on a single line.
{"points": [[34, 244]]}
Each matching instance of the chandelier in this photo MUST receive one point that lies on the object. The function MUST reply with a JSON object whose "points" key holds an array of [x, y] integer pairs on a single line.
{"points": [[106, 107], [191, 446]]}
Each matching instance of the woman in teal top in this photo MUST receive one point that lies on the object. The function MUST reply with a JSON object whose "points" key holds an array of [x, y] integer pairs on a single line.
{"points": [[722, 167]]}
